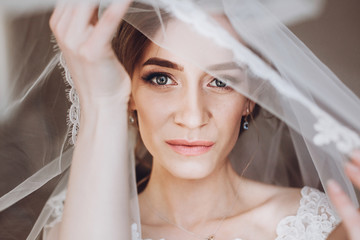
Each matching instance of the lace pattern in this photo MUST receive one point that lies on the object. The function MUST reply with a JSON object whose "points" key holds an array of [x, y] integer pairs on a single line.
{"points": [[327, 129], [57, 204], [74, 111], [314, 219]]}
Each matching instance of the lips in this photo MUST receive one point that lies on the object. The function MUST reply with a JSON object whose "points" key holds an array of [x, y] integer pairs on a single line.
{"points": [[190, 148]]}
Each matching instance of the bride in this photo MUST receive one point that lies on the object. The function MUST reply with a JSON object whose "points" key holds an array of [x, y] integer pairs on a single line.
{"points": [[189, 121]]}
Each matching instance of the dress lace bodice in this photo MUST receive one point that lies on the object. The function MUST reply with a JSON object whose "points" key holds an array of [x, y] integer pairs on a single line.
{"points": [[314, 219]]}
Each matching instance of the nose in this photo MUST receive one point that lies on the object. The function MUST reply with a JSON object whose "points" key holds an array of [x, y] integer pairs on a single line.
{"points": [[192, 112]]}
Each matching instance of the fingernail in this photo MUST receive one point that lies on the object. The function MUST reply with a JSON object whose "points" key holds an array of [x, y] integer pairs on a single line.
{"points": [[334, 186], [355, 156], [352, 168]]}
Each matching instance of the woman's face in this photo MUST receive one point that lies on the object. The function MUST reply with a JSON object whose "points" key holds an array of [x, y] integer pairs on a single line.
{"points": [[188, 120]]}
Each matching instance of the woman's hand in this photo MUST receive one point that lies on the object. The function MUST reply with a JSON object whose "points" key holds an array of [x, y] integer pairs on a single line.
{"points": [[85, 42], [97, 201], [345, 208]]}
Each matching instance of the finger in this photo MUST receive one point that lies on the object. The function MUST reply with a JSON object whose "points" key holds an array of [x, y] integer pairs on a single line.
{"points": [[345, 209], [355, 156], [353, 172], [108, 24], [82, 17], [95, 17], [63, 22], [57, 13], [339, 232]]}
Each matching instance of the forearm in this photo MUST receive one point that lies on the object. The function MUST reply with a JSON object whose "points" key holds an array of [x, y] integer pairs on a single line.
{"points": [[97, 204]]}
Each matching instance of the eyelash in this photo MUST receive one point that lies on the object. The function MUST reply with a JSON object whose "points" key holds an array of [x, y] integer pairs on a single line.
{"points": [[150, 78], [224, 89], [215, 80]]}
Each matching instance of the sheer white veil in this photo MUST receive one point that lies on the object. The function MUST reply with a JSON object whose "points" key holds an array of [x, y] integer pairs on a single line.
{"points": [[303, 130]]}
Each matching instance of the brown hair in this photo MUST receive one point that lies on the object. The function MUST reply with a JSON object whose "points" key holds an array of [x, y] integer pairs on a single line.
{"points": [[135, 43], [129, 43]]}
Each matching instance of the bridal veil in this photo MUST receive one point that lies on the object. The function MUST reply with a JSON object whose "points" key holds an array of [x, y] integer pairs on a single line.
{"points": [[305, 127]]}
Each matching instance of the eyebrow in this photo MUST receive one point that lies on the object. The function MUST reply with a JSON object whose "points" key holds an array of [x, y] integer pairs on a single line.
{"points": [[163, 63], [225, 66]]}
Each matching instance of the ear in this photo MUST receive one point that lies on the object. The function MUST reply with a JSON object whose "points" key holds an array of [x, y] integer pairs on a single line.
{"points": [[248, 107], [132, 105]]}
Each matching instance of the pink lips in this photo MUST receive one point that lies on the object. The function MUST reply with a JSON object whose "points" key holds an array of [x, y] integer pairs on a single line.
{"points": [[188, 148]]}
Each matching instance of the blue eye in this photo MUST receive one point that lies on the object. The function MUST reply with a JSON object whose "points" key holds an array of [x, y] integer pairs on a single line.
{"points": [[159, 79], [217, 83]]}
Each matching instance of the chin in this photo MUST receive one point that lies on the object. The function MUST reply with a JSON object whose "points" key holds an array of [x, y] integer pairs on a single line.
{"points": [[191, 170]]}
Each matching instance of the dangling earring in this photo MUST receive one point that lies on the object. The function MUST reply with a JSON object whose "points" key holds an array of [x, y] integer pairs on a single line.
{"points": [[131, 119], [246, 123]]}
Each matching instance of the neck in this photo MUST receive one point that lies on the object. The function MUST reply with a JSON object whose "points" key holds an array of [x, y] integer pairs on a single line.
{"points": [[189, 202]]}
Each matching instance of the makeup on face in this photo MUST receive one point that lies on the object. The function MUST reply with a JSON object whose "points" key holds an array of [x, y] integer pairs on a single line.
{"points": [[188, 119], [160, 74], [190, 148]]}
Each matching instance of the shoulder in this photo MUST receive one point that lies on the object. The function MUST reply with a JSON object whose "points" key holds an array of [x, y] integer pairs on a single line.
{"points": [[276, 200], [315, 202], [314, 218], [293, 213], [267, 205]]}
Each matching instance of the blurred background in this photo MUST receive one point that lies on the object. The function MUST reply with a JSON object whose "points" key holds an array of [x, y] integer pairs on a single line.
{"points": [[333, 35]]}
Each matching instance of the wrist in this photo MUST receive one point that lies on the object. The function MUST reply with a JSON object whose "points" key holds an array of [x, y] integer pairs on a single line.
{"points": [[104, 105], [103, 112]]}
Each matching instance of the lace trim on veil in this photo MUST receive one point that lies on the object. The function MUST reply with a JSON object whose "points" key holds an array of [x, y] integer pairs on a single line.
{"points": [[74, 111], [327, 129]]}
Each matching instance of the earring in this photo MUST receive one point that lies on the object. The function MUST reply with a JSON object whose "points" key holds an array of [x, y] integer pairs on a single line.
{"points": [[131, 119], [246, 123]]}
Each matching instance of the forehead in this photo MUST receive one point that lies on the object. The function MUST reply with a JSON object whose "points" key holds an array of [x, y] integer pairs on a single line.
{"points": [[181, 42], [155, 51]]}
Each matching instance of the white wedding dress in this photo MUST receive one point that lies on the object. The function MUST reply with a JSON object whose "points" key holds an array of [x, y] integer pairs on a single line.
{"points": [[314, 219]]}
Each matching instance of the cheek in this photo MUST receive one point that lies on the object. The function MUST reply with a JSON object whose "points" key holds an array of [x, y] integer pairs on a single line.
{"points": [[228, 112], [154, 111], [153, 108], [227, 116]]}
